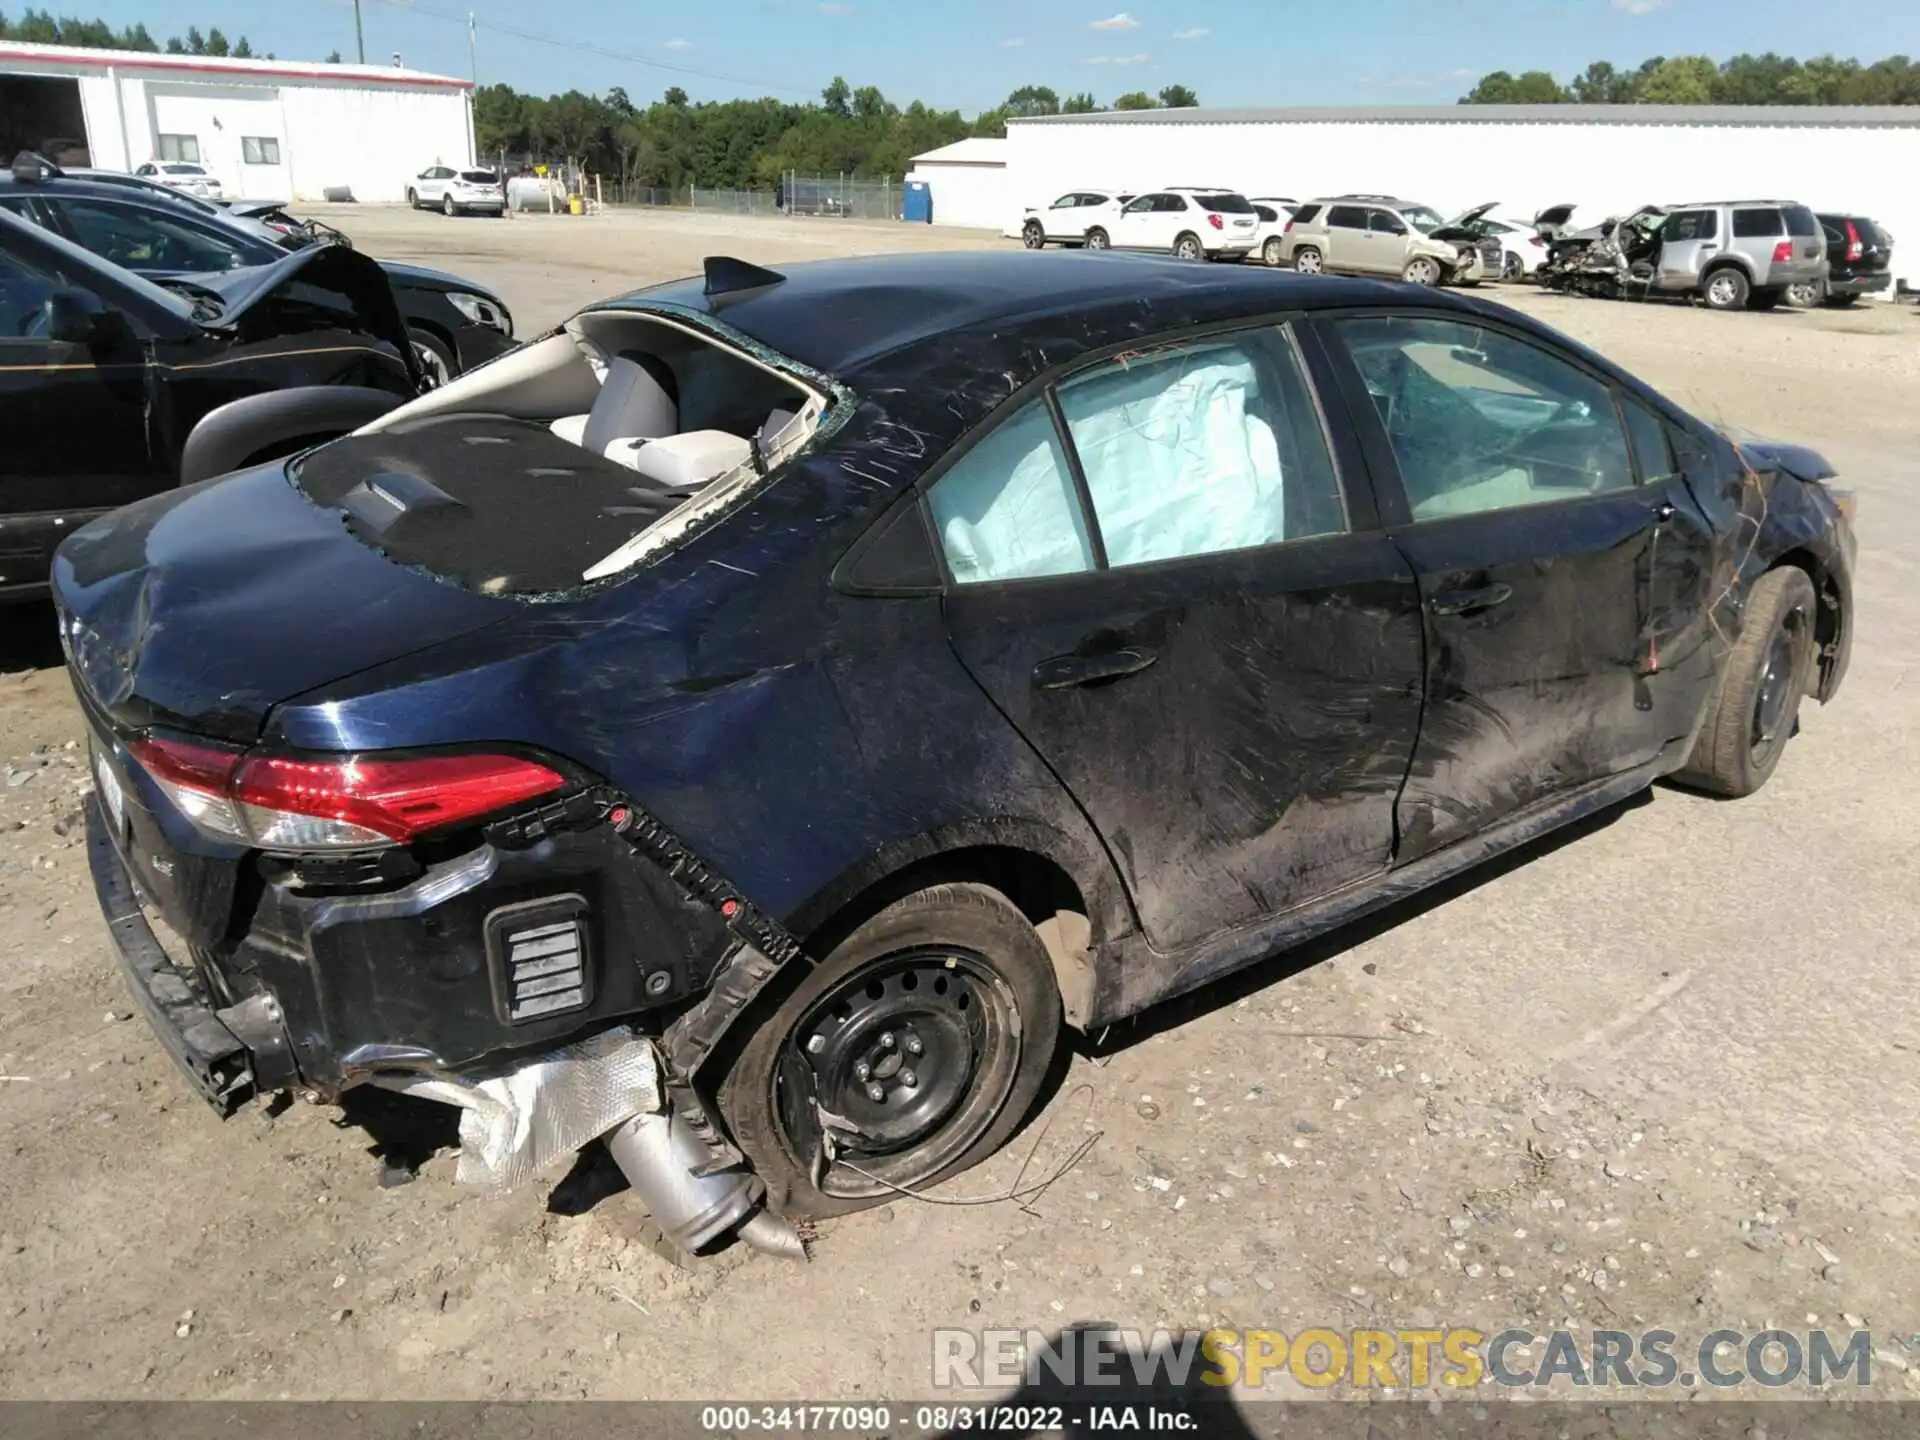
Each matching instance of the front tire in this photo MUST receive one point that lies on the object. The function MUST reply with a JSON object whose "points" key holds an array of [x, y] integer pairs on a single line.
{"points": [[1726, 289], [945, 1004], [1306, 260], [1422, 270], [1033, 236], [1805, 297], [1757, 702], [413, 199], [1513, 269], [433, 354], [1097, 239], [447, 207], [1270, 252], [1187, 247]]}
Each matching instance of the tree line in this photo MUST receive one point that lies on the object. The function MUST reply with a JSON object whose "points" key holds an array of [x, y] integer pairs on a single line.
{"points": [[39, 27], [742, 144], [1697, 80]]}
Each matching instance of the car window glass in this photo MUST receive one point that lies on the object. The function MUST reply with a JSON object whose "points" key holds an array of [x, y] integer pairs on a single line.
{"points": [[1268, 215], [1480, 421], [1140, 206], [1306, 213], [1650, 445], [1384, 222], [1202, 448], [1066, 202], [1800, 221], [1347, 217], [1008, 510], [1684, 225], [1173, 205], [1753, 224], [24, 289], [145, 240]]}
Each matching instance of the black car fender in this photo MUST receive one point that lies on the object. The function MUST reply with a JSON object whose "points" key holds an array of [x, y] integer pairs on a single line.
{"points": [[280, 422]]}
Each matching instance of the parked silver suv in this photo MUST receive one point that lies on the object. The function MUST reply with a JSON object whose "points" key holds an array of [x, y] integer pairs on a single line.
{"points": [[1738, 253]]}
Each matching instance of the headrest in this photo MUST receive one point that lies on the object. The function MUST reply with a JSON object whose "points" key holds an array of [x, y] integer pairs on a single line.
{"points": [[682, 462], [632, 402]]}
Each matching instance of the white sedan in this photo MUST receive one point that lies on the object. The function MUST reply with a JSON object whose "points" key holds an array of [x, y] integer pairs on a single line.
{"points": [[1079, 217], [177, 175]]}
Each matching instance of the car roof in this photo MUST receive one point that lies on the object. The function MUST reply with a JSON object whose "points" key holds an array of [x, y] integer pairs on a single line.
{"points": [[840, 316], [70, 184]]}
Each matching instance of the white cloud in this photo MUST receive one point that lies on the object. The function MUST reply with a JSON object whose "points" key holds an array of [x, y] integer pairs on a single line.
{"points": [[1199, 32], [1639, 7], [1122, 21], [1141, 59], [1014, 44], [678, 44]]}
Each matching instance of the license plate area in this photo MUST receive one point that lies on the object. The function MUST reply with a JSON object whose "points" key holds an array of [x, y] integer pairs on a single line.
{"points": [[113, 796]]}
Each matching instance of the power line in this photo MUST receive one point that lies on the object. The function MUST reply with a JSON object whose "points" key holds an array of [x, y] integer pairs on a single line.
{"points": [[592, 48]]}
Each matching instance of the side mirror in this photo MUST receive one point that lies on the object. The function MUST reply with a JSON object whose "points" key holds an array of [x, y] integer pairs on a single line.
{"points": [[75, 317]]}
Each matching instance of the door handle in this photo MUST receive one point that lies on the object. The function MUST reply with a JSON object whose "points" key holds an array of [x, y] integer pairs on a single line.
{"points": [[1708, 249], [1466, 602], [1063, 672]]}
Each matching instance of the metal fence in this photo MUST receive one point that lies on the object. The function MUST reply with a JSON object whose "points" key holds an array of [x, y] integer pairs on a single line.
{"points": [[828, 196]]}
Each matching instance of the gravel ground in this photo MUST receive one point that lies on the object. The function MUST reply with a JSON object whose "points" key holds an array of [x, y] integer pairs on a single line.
{"points": [[1663, 1070]]}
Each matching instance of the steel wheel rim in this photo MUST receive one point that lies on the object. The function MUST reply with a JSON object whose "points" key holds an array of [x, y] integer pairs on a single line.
{"points": [[1720, 290], [939, 1042], [1307, 262], [1776, 690]]}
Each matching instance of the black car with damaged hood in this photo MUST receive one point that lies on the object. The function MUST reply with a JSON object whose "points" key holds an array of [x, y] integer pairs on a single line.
{"points": [[105, 377], [751, 721]]}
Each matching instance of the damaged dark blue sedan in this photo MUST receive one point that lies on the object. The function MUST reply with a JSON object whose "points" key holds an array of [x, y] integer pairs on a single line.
{"points": [[748, 722]]}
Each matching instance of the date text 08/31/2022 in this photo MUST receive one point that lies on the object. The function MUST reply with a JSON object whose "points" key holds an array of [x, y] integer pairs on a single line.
{"points": [[944, 1419]]}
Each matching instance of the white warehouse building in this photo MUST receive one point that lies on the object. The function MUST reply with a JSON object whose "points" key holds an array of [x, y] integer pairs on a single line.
{"points": [[267, 129], [1610, 159]]}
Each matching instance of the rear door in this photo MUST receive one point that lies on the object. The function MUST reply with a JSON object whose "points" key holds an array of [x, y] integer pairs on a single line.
{"points": [[1688, 241], [1165, 577], [1347, 237], [1565, 600]]}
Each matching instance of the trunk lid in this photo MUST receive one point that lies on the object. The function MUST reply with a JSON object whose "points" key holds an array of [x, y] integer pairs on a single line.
{"points": [[206, 606]]}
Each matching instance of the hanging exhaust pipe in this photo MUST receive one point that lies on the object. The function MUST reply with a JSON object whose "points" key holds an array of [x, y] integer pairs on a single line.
{"points": [[658, 1153]]}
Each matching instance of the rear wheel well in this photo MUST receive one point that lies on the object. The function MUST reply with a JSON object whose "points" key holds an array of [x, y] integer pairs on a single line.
{"points": [[1038, 887], [1828, 618]]}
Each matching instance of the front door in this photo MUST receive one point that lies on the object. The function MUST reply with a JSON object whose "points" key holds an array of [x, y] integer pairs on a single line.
{"points": [[1386, 242], [1176, 594], [74, 418], [1689, 239], [1139, 224], [1565, 600]]}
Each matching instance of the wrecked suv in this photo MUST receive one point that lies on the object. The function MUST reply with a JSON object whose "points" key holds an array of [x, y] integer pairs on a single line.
{"points": [[748, 723], [1380, 235]]}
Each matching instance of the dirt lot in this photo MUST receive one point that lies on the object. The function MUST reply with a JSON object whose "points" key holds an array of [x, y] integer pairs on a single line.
{"points": [[1663, 1071]]}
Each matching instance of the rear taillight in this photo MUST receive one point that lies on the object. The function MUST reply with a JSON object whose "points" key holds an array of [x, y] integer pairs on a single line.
{"points": [[1290, 224], [1783, 252], [1539, 243], [1216, 221], [1854, 248], [350, 802]]}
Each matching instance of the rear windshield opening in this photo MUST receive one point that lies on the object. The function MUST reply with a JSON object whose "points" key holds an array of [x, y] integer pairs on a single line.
{"points": [[480, 177], [1225, 204], [1801, 221], [570, 460]]}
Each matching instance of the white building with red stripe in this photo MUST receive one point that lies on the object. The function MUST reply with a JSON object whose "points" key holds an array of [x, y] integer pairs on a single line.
{"points": [[268, 129]]}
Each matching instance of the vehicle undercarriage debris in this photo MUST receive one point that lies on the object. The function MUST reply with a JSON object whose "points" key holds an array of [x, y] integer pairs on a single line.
{"points": [[1614, 260]]}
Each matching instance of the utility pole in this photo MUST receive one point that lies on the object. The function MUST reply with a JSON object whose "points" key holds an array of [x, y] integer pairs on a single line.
{"points": [[473, 66], [359, 35]]}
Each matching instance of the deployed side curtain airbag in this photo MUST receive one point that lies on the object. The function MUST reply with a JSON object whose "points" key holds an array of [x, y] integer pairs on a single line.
{"points": [[1177, 461], [1008, 511]]}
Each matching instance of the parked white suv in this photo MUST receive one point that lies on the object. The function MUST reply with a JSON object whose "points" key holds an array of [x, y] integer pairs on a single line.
{"points": [[456, 192], [1079, 217], [1190, 223]]}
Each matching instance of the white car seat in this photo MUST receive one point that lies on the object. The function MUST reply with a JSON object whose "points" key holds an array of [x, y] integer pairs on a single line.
{"points": [[631, 405]]}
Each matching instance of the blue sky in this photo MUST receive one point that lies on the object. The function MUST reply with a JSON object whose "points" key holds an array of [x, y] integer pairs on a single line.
{"points": [[968, 56]]}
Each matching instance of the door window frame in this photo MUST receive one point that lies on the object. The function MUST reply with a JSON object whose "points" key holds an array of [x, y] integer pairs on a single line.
{"points": [[1357, 491], [1383, 464]]}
